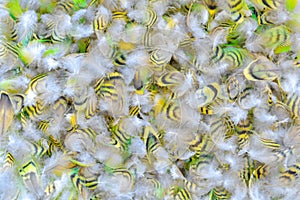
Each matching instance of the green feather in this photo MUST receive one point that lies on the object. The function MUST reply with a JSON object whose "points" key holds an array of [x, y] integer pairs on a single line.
{"points": [[14, 9], [291, 5]]}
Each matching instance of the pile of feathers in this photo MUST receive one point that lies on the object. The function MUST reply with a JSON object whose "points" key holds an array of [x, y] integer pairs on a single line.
{"points": [[150, 99]]}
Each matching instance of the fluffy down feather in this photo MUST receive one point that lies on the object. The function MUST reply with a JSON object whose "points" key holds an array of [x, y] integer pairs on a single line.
{"points": [[217, 81]]}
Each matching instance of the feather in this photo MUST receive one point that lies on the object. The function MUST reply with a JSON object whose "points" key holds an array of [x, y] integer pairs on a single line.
{"points": [[77, 142], [31, 177], [26, 26], [14, 8], [208, 93], [290, 82], [175, 172], [186, 86], [33, 52], [56, 26], [59, 164], [108, 155], [257, 193], [81, 31], [292, 6], [23, 151], [197, 30], [239, 193], [60, 184], [30, 5], [150, 99], [7, 25], [8, 190], [136, 164], [264, 119], [122, 183], [6, 111], [50, 64]]}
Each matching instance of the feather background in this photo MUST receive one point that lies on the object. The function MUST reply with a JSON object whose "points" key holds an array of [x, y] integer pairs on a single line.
{"points": [[158, 99]]}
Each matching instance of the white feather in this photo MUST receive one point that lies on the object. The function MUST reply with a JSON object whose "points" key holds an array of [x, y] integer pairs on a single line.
{"points": [[236, 114], [134, 34], [27, 25], [136, 164], [264, 119], [137, 147], [128, 74], [78, 15], [144, 188], [60, 184], [73, 63], [248, 27], [30, 4], [106, 154], [186, 86], [81, 31], [161, 166], [139, 15], [195, 27], [159, 7], [256, 192], [137, 58], [8, 191], [291, 81], [176, 173], [262, 155], [212, 173], [240, 193], [18, 147], [77, 142], [25, 195], [227, 145], [117, 30]]}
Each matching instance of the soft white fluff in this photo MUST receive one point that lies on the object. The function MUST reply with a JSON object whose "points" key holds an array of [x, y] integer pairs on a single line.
{"points": [[27, 25]]}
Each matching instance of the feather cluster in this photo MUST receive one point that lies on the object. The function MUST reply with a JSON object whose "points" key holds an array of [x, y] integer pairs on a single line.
{"points": [[158, 99]]}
